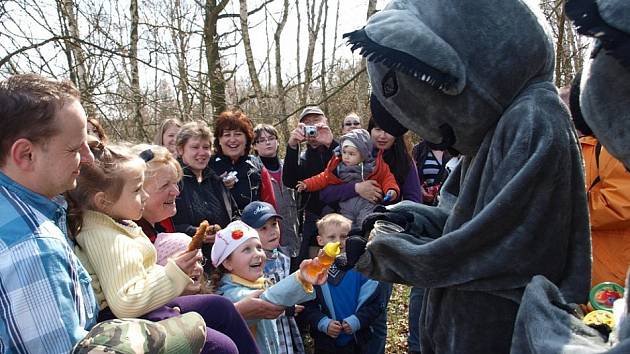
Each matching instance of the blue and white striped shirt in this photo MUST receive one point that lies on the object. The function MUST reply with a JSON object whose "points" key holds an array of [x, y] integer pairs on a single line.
{"points": [[46, 301]]}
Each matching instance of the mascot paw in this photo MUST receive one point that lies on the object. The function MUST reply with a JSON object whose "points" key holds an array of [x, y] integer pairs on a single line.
{"points": [[401, 218], [355, 247]]}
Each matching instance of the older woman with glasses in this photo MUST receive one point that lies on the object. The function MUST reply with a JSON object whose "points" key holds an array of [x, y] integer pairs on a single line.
{"points": [[266, 147], [350, 122]]}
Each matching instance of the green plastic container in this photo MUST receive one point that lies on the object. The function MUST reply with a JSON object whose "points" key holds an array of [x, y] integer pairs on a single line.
{"points": [[604, 294]]}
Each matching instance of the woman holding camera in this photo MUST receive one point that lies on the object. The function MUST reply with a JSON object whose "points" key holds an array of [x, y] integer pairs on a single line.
{"points": [[243, 174]]}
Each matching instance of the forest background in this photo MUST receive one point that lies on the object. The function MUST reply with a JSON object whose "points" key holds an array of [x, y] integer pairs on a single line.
{"points": [[140, 62]]}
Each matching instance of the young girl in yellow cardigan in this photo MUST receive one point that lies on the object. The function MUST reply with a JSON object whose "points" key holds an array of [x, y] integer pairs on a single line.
{"points": [[122, 260]]}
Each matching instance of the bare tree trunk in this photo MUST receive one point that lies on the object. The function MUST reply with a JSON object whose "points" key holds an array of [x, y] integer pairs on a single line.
{"points": [[363, 84], [180, 42], [82, 75], [569, 52], [297, 53], [560, 52], [268, 40], [135, 74], [314, 21], [324, 93], [211, 42], [576, 57], [371, 10], [333, 56], [249, 57], [67, 43], [279, 83]]}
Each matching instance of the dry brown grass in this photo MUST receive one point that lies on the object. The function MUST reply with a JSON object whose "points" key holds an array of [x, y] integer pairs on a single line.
{"points": [[397, 325]]}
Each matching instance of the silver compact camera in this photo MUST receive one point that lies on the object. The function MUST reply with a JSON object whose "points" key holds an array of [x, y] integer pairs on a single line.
{"points": [[310, 131], [231, 176]]}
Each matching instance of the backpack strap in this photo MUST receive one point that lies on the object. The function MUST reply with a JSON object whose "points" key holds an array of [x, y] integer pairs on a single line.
{"points": [[598, 150], [441, 176]]}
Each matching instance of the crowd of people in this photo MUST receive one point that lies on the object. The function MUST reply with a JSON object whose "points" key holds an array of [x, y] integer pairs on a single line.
{"points": [[100, 238], [106, 227], [208, 241]]}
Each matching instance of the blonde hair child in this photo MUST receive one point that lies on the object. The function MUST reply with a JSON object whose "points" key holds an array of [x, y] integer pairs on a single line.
{"points": [[343, 321]]}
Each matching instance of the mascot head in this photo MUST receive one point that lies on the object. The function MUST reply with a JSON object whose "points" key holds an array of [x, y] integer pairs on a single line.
{"points": [[605, 85], [448, 69]]}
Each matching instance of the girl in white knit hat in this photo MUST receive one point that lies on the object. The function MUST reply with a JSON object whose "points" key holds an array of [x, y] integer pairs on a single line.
{"points": [[240, 259]]}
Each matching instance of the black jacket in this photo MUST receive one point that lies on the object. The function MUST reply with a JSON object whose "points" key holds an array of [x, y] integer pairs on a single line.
{"points": [[310, 163], [249, 174], [208, 200]]}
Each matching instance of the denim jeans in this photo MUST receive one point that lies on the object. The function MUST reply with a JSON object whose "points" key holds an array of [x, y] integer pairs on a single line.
{"points": [[415, 306]]}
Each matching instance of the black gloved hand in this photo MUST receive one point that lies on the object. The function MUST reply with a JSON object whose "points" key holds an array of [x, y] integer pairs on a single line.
{"points": [[400, 218], [355, 246], [358, 238]]}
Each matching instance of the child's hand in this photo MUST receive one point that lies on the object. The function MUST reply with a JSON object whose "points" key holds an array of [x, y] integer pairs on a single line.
{"points": [[297, 309], [301, 186], [334, 329], [346, 327], [186, 260], [390, 196], [315, 279]]}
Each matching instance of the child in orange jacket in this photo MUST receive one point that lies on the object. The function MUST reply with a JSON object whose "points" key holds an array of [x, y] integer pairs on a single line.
{"points": [[355, 163]]}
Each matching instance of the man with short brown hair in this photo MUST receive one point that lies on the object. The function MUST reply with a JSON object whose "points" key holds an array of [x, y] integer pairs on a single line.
{"points": [[46, 302]]}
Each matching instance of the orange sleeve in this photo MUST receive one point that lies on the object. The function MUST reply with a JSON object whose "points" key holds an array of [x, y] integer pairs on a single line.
{"points": [[609, 199], [386, 178], [323, 179]]}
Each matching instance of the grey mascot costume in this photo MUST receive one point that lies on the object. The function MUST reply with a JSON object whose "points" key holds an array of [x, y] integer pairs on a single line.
{"points": [[605, 87], [545, 322], [476, 77]]}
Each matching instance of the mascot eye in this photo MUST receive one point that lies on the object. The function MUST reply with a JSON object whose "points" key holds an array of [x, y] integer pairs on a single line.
{"points": [[589, 22], [399, 61]]}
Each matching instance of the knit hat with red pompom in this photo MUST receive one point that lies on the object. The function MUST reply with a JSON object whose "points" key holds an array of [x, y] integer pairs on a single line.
{"points": [[228, 239]]}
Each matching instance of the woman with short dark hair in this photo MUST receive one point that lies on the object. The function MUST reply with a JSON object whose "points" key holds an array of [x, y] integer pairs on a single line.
{"points": [[244, 175]]}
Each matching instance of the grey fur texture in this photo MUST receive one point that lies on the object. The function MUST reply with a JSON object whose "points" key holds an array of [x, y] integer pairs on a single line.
{"points": [[605, 104], [515, 207], [605, 84], [543, 326], [615, 13]]}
